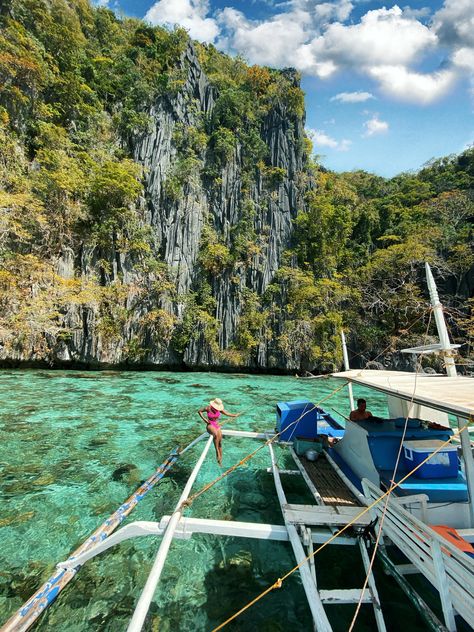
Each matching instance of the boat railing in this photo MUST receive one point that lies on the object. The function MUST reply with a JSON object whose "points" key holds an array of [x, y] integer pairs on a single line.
{"points": [[446, 567]]}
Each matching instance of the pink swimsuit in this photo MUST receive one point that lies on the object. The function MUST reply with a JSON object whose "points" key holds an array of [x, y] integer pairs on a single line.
{"points": [[212, 416]]}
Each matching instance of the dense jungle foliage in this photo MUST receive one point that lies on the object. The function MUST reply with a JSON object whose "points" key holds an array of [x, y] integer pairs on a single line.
{"points": [[76, 87]]}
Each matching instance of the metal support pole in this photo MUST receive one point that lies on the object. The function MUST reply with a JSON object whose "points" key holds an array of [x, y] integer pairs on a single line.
{"points": [[347, 368], [451, 371], [440, 323], [468, 464]]}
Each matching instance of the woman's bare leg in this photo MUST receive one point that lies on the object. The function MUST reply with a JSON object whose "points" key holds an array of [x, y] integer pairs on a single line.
{"points": [[219, 445], [215, 433]]}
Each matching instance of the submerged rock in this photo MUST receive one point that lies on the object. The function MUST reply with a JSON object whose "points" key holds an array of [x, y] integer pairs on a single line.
{"points": [[44, 480], [122, 471], [98, 441], [17, 519]]}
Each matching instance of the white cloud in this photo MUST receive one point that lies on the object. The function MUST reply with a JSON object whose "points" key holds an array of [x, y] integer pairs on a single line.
{"points": [[321, 12], [409, 12], [406, 85], [272, 42], [344, 145], [464, 58], [307, 37], [326, 12], [383, 36], [386, 45], [191, 14], [321, 139], [454, 23], [454, 26], [352, 97], [375, 126]]}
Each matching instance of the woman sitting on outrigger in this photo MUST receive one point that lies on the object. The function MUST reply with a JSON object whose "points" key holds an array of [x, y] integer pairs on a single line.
{"points": [[214, 411]]}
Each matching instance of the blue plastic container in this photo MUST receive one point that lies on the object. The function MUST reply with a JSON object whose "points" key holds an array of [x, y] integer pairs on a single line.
{"points": [[444, 464], [303, 413]]}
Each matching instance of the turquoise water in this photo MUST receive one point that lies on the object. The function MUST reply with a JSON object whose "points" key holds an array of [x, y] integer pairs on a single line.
{"points": [[75, 445]]}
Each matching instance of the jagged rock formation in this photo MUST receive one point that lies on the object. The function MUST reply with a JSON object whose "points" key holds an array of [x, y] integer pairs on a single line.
{"points": [[159, 207], [177, 218], [178, 224]]}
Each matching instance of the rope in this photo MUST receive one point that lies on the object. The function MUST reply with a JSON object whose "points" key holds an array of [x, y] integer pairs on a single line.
{"points": [[394, 476], [249, 456], [278, 583], [340, 414], [294, 428]]}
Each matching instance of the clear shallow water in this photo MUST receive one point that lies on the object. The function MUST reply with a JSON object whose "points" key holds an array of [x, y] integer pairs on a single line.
{"points": [[74, 446]]}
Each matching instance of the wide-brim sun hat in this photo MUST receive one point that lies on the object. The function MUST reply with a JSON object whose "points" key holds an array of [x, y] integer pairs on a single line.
{"points": [[217, 404]]}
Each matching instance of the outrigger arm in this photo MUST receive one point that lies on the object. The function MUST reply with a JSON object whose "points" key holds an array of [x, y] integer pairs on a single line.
{"points": [[189, 526]]}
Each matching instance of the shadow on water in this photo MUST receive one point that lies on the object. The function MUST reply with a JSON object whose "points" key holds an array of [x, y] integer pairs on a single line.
{"points": [[26, 580], [242, 570]]}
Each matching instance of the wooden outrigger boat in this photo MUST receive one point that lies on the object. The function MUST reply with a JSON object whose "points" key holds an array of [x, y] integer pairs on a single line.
{"points": [[396, 483]]}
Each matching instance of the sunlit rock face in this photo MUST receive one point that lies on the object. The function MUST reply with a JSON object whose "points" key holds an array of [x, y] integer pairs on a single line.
{"points": [[176, 220], [182, 198], [221, 202]]}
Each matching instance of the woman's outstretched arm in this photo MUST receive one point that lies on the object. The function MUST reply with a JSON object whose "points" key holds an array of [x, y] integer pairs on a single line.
{"points": [[224, 412]]}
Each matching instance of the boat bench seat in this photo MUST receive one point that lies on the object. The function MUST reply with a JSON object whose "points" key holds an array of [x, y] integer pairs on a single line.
{"points": [[437, 489], [326, 515]]}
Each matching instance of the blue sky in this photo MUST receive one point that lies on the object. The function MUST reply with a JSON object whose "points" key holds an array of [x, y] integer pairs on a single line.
{"points": [[388, 87]]}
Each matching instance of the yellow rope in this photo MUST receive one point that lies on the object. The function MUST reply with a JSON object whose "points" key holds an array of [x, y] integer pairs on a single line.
{"points": [[249, 456], [394, 476], [280, 580]]}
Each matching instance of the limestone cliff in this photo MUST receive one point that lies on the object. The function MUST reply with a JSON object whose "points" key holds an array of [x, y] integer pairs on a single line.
{"points": [[190, 200], [159, 206]]}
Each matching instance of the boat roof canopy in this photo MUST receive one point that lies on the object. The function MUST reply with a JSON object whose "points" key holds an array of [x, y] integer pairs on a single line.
{"points": [[454, 395]]}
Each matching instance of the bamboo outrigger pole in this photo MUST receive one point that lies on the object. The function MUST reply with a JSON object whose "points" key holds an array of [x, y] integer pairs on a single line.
{"points": [[29, 612], [148, 592]]}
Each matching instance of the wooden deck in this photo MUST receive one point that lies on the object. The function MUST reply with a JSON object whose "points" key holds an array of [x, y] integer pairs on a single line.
{"points": [[332, 490]]}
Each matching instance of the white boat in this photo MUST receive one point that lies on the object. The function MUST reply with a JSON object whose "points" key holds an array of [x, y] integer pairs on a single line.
{"points": [[357, 497], [413, 458], [370, 449]]}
